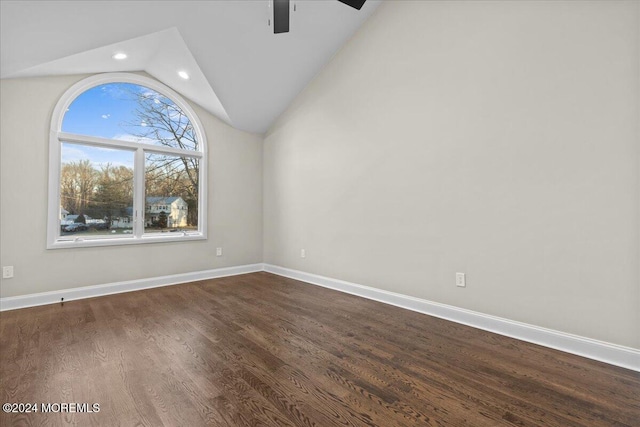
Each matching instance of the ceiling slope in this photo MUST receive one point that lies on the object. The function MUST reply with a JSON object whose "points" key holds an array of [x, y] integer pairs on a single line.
{"points": [[240, 71]]}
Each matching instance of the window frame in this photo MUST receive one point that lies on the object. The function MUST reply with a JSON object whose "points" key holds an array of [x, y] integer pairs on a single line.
{"points": [[57, 137]]}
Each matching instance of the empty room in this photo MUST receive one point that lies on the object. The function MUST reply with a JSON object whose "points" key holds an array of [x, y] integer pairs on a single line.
{"points": [[320, 213]]}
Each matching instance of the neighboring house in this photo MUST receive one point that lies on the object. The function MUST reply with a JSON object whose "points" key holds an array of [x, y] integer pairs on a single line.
{"points": [[175, 208], [64, 217], [125, 221]]}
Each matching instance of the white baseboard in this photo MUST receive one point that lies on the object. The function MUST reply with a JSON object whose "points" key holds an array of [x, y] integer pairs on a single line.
{"points": [[32, 300], [613, 354]]}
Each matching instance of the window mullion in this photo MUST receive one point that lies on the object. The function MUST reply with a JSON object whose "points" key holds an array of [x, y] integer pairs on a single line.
{"points": [[139, 194], [125, 145]]}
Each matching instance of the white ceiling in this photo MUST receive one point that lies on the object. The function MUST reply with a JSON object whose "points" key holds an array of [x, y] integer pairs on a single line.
{"points": [[240, 71]]}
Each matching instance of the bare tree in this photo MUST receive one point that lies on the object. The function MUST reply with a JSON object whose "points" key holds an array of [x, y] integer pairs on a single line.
{"points": [[77, 185], [162, 122], [109, 192], [114, 191]]}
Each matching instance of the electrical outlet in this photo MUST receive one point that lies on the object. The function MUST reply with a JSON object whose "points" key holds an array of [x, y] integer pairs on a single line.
{"points": [[303, 253], [218, 251], [7, 272], [461, 280]]}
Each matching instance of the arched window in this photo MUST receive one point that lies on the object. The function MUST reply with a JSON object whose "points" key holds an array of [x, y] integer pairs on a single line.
{"points": [[127, 164]]}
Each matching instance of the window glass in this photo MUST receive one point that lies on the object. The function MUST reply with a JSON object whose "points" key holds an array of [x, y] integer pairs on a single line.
{"points": [[130, 112], [171, 184], [96, 191], [127, 165]]}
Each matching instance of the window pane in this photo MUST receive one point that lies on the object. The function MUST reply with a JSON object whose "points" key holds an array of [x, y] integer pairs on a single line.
{"points": [[171, 202], [130, 112], [96, 191]]}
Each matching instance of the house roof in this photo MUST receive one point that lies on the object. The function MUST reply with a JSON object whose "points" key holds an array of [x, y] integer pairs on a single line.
{"points": [[239, 69], [162, 200], [155, 201]]}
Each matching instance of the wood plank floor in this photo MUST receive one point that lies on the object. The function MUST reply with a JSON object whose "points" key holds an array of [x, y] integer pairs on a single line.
{"points": [[262, 350]]}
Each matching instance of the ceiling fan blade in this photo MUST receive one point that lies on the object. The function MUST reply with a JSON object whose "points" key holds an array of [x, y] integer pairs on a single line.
{"points": [[356, 4], [280, 16]]}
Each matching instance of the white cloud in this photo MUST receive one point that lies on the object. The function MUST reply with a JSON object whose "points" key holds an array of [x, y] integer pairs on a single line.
{"points": [[114, 90], [98, 156], [106, 116], [72, 154]]}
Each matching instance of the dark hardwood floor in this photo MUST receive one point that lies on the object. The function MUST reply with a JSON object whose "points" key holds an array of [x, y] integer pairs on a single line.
{"points": [[260, 349]]}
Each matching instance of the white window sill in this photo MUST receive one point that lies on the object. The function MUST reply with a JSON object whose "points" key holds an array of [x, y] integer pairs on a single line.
{"points": [[80, 242]]}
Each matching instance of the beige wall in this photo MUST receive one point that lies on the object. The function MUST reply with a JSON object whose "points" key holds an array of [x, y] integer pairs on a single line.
{"points": [[234, 203], [499, 139]]}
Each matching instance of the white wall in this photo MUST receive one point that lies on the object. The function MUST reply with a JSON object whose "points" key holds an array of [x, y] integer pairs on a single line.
{"points": [[234, 203], [498, 139]]}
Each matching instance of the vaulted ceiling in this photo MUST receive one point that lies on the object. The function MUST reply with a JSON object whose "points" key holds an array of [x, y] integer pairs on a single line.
{"points": [[239, 70]]}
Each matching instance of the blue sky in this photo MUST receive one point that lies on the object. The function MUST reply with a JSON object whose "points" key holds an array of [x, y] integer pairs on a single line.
{"points": [[99, 156], [103, 111], [106, 111]]}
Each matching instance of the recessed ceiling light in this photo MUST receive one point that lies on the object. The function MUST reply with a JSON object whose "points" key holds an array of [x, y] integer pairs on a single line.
{"points": [[120, 56], [183, 74]]}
